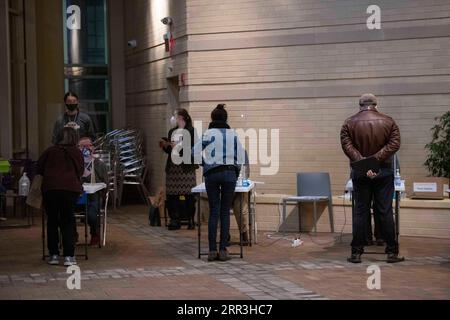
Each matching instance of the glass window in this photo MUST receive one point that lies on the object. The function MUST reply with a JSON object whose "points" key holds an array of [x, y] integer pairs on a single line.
{"points": [[86, 58]]}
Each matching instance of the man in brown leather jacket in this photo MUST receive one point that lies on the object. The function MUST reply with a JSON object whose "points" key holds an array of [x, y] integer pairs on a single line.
{"points": [[370, 133]]}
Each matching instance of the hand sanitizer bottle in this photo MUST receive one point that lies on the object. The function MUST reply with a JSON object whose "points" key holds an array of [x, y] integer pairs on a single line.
{"points": [[398, 179], [24, 185]]}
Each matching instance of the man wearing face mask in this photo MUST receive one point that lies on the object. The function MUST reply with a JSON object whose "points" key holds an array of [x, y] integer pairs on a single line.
{"points": [[95, 166], [73, 118]]}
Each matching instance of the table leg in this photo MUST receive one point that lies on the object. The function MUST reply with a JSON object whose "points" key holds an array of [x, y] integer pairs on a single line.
{"points": [[28, 212], [397, 209], [199, 227], [315, 217], [43, 235], [299, 206], [250, 218], [240, 233], [85, 228]]}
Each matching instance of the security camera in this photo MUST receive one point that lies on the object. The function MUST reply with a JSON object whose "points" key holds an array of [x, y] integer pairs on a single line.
{"points": [[167, 21], [132, 44]]}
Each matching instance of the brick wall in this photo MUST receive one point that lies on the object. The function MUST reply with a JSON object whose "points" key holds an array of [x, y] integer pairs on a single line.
{"points": [[295, 65], [147, 72]]}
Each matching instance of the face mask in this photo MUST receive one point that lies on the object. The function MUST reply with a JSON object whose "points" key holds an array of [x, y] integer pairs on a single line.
{"points": [[86, 152], [72, 107], [173, 121]]}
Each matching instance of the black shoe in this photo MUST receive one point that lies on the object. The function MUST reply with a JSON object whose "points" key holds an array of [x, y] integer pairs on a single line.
{"points": [[191, 225], [355, 258], [394, 258], [223, 255], [213, 256], [380, 242]]}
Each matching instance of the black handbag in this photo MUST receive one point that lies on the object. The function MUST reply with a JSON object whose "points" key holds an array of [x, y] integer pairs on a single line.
{"points": [[154, 218]]}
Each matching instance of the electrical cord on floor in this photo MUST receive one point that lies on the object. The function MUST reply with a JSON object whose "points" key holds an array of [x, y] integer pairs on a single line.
{"points": [[342, 231], [285, 237], [278, 239]]}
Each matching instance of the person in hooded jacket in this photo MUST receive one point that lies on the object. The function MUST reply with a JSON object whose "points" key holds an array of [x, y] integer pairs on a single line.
{"points": [[61, 167]]}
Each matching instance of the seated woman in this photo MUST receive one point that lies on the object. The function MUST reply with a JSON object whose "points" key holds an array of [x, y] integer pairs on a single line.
{"points": [[101, 175]]}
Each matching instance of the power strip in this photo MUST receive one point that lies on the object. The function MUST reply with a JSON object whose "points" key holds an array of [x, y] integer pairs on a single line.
{"points": [[297, 243]]}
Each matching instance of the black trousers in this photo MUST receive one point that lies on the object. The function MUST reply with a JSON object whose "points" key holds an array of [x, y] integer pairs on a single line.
{"points": [[179, 209], [381, 190], [59, 207], [376, 231]]}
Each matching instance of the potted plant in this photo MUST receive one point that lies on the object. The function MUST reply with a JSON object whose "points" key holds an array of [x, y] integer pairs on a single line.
{"points": [[438, 160]]}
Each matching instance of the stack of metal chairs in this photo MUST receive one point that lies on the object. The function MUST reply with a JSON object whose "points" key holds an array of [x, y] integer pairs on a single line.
{"points": [[123, 149]]}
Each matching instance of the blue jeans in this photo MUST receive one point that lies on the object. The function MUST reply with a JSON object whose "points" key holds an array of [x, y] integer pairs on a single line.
{"points": [[92, 213], [220, 189]]}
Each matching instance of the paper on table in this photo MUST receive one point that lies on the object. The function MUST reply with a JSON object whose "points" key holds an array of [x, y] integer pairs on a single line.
{"points": [[91, 188]]}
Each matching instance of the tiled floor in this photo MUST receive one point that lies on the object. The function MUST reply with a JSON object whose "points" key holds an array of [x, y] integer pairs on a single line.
{"points": [[140, 262]]}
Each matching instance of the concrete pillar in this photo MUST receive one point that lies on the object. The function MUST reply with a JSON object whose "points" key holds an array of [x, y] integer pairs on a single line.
{"points": [[6, 134], [117, 63]]}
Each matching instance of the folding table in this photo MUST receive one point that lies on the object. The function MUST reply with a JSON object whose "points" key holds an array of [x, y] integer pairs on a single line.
{"points": [[239, 189]]}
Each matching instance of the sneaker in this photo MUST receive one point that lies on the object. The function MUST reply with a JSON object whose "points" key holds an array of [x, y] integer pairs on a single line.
{"points": [[213, 256], [54, 260], [223, 255], [95, 240], [355, 258], [394, 258], [70, 261]]}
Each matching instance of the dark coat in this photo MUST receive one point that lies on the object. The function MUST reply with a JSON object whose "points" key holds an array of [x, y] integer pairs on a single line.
{"points": [[370, 133], [186, 167], [82, 119], [61, 168]]}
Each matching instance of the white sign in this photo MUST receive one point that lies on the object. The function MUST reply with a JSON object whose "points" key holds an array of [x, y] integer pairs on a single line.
{"points": [[74, 20], [425, 187]]}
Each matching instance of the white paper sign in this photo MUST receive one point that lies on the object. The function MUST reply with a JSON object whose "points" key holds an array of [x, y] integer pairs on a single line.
{"points": [[425, 187]]}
